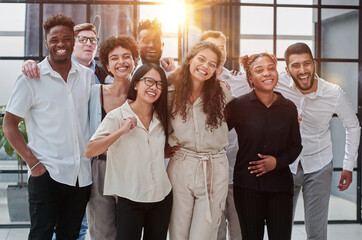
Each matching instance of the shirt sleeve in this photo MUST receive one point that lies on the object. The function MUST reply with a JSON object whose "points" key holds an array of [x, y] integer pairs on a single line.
{"points": [[345, 112], [294, 146], [228, 95], [21, 98], [109, 125]]}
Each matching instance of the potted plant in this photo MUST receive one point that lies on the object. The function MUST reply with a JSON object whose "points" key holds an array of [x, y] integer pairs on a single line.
{"points": [[17, 195]]}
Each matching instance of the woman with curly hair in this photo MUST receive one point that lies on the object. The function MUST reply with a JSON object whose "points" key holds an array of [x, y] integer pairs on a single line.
{"points": [[269, 140], [198, 170], [118, 55]]}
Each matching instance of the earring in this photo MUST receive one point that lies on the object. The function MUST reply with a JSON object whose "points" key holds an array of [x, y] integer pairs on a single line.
{"points": [[135, 88]]}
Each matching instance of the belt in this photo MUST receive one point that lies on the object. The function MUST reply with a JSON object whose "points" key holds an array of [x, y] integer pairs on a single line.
{"points": [[205, 158], [102, 157]]}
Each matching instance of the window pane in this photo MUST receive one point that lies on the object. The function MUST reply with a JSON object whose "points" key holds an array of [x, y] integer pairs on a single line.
{"points": [[8, 78], [339, 2], [305, 2], [339, 33], [256, 20], [13, 15], [164, 14], [252, 46], [257, 1], [345, 75], [288, 24], [16, 43], [171, 47], [112, 20], [282, 45]]}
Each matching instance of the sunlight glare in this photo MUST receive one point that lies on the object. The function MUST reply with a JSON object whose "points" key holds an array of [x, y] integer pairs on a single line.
{"points": [[172, 14]]}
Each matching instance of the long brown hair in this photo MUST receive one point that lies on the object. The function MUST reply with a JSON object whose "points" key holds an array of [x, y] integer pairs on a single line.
{"points": [[213, 96]]}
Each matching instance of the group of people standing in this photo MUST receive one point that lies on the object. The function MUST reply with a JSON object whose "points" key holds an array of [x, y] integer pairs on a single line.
{"points": [[147, 114]]}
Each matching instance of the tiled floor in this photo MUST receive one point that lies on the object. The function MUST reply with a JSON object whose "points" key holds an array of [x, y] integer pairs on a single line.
{"points": [[335, 232]]}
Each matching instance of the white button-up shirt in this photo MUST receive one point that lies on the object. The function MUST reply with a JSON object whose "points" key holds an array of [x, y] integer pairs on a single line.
{"points": [[135, 166], [192, 133], [56, 118], [238, 86], [317, 109]]}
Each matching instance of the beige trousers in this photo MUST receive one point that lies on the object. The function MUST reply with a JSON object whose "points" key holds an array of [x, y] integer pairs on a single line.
{"points": [[199, 185]]}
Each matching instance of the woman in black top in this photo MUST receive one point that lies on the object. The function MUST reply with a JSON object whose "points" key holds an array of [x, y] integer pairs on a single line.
{"points": [[269, 140]]}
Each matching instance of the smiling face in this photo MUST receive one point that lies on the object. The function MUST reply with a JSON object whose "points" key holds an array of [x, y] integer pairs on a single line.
{"points": [[59, 42], [203, 65], [85, 52], [120, 62], [150, 45], [301, 68], [149, 94], [263, 74]]}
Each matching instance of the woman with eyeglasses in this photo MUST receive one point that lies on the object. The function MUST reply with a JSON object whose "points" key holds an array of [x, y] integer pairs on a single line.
{"points": [[199, 169], [118, 55], [135, 137], [269, 140]]}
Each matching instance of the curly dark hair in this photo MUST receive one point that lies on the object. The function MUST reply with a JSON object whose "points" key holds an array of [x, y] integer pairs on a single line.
{"points": [[111, 43], [213, 96], [58, 19], [154, 25]]}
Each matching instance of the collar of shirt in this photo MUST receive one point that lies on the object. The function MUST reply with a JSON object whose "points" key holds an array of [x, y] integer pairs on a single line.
{"points": [[91, 67], [45, 68], [128, 112], [312, 95], [279, 101]]}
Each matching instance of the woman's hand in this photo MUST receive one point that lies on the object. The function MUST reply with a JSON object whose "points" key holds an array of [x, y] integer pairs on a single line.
{"points": [[170, 151], [260, 167], [129, 124]]}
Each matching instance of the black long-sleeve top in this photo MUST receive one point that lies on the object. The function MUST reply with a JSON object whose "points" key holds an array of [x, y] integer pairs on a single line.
{"points": [[269, 131]]}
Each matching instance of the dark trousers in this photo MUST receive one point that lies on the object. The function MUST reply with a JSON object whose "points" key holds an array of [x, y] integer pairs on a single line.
{"points": [[254, 208], [53, 205], [152, 217]]}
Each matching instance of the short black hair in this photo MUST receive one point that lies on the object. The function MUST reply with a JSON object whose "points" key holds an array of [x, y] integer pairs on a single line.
{"points": [[297, 48], [58, 19], [154, 25]]}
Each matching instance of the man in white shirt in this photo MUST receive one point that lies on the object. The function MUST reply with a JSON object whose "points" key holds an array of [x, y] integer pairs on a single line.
{"points": [[238, 86], [317, 100], [55, 110]]}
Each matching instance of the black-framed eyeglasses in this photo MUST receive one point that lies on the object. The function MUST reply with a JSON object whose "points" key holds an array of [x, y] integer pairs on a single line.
{"points": [[150, 82], [84, 40]]}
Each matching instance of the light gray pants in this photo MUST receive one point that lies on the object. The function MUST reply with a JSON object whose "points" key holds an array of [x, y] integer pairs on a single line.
{"points": [[101, 210], [316, 188], [199, 187], [229, 219]]}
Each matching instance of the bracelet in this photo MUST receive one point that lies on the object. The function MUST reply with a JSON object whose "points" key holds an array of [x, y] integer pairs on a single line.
{"points": [[31, 169]]}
